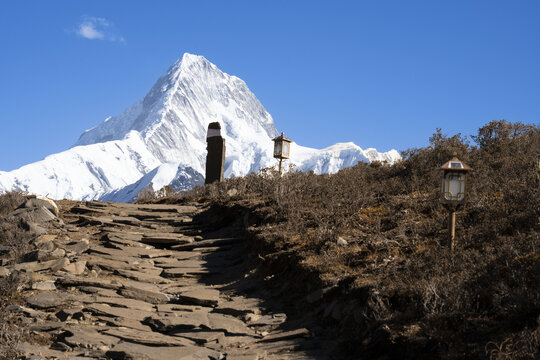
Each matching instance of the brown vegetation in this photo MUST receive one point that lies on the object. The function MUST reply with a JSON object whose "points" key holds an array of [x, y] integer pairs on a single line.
{"points": [[394, 287], [13, 243]]}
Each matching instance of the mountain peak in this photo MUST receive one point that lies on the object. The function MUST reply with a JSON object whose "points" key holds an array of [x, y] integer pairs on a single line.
{"points": [[168, 126]]}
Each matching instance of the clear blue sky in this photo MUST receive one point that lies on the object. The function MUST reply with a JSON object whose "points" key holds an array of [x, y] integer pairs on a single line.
{"points": [[382, 74]]}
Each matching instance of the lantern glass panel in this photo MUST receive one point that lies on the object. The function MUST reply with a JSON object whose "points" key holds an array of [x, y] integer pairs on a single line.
{"points": [[286, 149], [277, 148], [454, 187]]}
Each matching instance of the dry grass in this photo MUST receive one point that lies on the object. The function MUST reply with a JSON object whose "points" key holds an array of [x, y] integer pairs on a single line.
{"points": [[397, 270], [16, 239]]}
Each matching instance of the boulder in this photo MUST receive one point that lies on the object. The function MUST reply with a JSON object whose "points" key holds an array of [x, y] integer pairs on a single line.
{"points": [[38, 202]]}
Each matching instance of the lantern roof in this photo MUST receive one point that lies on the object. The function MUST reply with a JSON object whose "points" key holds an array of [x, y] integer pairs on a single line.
{"points": [[282, 138], [455, 164]]}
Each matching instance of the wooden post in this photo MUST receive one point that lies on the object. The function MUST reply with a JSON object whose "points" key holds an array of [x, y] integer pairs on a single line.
{"points": [[280, 166], [215, 159], [452, 229]]}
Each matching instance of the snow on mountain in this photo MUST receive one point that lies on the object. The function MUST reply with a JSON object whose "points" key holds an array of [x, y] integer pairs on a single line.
{"points": [[161, 140], [84, 172]]}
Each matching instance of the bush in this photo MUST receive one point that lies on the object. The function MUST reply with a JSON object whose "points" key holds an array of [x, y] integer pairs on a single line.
{"points": [[485, 293]]}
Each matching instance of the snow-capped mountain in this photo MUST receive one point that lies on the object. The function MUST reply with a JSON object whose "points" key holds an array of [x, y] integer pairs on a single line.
{"points": [[161, 140]]}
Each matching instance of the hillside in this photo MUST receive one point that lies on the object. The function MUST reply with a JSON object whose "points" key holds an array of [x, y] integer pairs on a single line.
{"points": [[343, 266], [367, 247]]}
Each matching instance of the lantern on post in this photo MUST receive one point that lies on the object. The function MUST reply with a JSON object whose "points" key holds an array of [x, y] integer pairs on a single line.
{"points": [[453, 191], [282, 150]]}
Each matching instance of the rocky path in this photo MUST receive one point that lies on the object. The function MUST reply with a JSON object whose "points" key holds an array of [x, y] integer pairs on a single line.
{"points": [[128, 281]]}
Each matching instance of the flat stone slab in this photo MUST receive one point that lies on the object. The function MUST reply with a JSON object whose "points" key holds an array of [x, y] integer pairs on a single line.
{"points": [[145, 295], [49, 299], [174, 308], [209, 243], [184, 272], [124, 302], [166, 239], [179, 321], [199, 295], [200, 337], [125, 350], [94, 282], [34, 266], [286, 335], [78, 247], [123, 322], [108, 263], [107, 310], [40, 352], [99, 291], [147, 338], [89, 338], [229, 324], [142, 276]]}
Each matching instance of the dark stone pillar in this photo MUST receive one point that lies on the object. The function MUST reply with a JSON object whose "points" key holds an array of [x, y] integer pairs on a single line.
{"points": [[215, 160]]}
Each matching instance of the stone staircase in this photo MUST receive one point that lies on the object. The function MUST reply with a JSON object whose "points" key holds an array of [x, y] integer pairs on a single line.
{"points": [[127, 281]]}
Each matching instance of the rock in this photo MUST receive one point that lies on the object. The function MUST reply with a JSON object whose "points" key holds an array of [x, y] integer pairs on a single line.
{"points": [[33, 228], [80, 281], [179, 321], [145, 295], [4, 272], [33, 215], [99, 291], [200, 337], [126, 350], [57, 254], [142, 276], [112, 311], [59, 264], [76, 268], [44, 285], [89, 338], [67, 314], [78, 247], [123, 302], [47, 246], [144, 291], [34, 266], [108, 264], [342, 242], [184, 272], [229, 324], [44, 238], [166, 239], [286, 335], [199, 295], [39, 202], [47, 300], [147, 338]]}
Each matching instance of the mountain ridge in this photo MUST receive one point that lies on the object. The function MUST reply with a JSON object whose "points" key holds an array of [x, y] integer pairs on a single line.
{"points": [[168, 126]]}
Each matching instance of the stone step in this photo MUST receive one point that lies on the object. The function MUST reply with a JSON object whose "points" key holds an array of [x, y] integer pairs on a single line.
{"points": [[209, 243]]}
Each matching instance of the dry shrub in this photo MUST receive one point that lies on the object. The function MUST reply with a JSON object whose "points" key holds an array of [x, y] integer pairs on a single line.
{"points": [[487, 292], [9, 201], [16, 240]]}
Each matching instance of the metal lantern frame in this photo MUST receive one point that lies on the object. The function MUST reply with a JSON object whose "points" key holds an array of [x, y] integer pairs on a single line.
{"points": [[282, 149], [454, 172], [454, 190], [279, 147]]}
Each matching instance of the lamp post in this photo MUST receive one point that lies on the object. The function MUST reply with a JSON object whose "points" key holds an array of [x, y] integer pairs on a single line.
{"points": [[453, 192], [282, 150]]}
